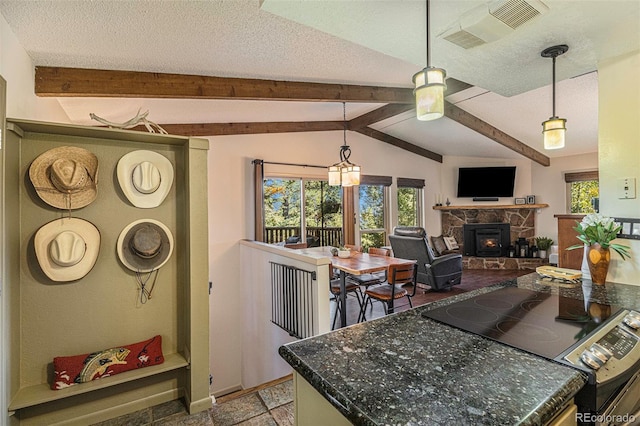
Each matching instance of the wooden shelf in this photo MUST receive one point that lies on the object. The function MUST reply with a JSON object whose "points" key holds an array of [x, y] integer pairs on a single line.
{"points": [[39, 394], [492, 207]]}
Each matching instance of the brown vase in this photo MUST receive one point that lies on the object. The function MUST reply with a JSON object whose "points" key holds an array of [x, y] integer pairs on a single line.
{"points": [[598, 261]]}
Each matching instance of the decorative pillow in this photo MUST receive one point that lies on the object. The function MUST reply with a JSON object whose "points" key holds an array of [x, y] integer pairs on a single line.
{"points": [[71, 370], [451, 243], [438, 244]]}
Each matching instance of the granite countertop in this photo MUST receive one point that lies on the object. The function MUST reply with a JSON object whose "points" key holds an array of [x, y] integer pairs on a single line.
{"points": [[406, 369]]}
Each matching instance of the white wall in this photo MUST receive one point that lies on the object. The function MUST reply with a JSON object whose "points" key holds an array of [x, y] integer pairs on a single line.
{"points": [[17, 68], [619, 151], [231, 214], [548, 185], [450, 167]]}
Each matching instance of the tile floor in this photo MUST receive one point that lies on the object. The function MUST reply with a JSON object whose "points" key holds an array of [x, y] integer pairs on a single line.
{"points": [[270, 405]]}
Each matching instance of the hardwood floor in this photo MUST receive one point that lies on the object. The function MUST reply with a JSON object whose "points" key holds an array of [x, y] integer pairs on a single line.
{"points": [[471, 279]]}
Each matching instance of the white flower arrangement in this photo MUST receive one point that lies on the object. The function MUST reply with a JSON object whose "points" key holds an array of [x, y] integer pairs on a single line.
{"points": [[596, 228]]}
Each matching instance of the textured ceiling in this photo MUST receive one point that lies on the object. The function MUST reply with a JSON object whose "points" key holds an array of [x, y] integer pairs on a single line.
{"points": [[357, 42]]}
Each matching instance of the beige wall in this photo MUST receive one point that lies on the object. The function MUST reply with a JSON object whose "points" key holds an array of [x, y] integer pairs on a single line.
{"points": [[231, 215], [619, 150], [547, 183]]}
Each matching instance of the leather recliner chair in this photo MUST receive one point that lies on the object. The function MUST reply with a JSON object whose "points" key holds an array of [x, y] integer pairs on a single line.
{"points": [[439, 272]]}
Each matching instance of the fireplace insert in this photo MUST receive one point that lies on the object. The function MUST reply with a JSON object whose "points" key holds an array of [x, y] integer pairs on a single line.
{"points": [[486, 239]]}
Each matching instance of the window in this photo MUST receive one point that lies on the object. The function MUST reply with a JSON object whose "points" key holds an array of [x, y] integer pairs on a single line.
{"points": [[284, 212], [282, 209], [323, 213], [583, 192], [410, 202], [372, 211]]}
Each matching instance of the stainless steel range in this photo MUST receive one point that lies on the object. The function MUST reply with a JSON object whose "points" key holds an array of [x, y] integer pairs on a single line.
{"points": [[601, 340]]}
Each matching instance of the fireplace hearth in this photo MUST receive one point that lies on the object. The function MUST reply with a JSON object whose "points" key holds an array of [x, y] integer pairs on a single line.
{"points": [[486, 239]]}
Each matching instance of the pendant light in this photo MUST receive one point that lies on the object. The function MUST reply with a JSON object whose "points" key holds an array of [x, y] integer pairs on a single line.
{"points": [[344, 173], [554, 128], [429, 87]]}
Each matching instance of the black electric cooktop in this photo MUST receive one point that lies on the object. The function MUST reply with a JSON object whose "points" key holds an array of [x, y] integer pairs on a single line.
{"points": [[541, 323]]}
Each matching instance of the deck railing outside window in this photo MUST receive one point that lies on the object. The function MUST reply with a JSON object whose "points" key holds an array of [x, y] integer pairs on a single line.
{"points": [[325, 236]]}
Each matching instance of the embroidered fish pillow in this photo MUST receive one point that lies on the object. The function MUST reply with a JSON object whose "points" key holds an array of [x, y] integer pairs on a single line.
{"points": [[71, 370]]}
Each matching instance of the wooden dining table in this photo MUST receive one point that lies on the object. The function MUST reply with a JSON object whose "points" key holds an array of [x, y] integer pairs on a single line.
{"points": [[358, 264]]}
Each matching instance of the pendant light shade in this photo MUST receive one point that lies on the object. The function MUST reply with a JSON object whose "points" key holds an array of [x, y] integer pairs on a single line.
{"points": [[429, 86], [344, 173], [554, 129], [429, 93]]}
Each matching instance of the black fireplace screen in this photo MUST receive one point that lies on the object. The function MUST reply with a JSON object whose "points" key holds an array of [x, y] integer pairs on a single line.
{"points": [[488, 242], [486, 239]]}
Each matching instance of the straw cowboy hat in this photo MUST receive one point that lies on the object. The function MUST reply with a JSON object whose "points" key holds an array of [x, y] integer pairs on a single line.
{"points": [[67, 248], [145, 245], [65, 177], [145, 177]]}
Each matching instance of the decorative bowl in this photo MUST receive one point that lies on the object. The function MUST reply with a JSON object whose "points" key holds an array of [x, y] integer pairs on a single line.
{"points": [[344, 253]]}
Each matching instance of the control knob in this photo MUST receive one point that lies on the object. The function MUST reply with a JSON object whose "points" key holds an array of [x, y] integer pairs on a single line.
{"points": [[632, 319], [596, 356]]}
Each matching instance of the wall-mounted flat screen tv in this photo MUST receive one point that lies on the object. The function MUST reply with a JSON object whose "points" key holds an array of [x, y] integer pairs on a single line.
{"points": [[486, 181]]}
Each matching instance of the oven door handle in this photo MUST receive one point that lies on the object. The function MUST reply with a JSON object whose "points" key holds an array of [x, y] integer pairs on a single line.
{"points": [[627, 402]]}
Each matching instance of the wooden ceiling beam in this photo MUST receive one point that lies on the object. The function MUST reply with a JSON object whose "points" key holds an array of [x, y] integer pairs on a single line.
{"points": [[220, 129], [391, 110], [375, 134], [379, 114], [474, 123], [79, 82]]}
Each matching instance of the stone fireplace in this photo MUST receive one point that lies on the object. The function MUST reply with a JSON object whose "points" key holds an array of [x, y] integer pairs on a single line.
{"points": [[514, 221]]}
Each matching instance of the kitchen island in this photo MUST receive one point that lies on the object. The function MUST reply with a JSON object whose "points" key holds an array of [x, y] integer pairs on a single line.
{"points": [[406, 369]]}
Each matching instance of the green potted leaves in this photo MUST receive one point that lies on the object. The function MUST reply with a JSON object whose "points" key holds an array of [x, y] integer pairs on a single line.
{"points": [[543, 244]]}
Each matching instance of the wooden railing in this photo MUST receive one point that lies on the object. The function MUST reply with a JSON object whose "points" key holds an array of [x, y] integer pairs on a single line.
{"points": [[319, 236]]}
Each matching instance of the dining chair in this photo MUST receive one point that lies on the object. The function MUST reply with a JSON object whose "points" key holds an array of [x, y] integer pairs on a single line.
{"points": [[351, 288], [393, 289], [373, 278], [379, 251]]}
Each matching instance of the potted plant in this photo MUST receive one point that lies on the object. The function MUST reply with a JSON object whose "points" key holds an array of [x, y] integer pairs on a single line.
{"points": [[596, 231], [543, 244]]}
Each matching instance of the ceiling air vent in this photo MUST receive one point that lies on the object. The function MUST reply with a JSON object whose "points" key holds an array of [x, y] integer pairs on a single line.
{"points": [[516, 12], [464, 39], [491, 22]]}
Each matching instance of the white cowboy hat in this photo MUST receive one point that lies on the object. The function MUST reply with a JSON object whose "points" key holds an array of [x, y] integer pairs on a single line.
{"points": [[67, 248], [145, 177], [145, 245], [65, 177]]}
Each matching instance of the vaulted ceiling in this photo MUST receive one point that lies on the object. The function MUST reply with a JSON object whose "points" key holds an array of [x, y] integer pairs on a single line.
{"points": [[244, 50]]}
